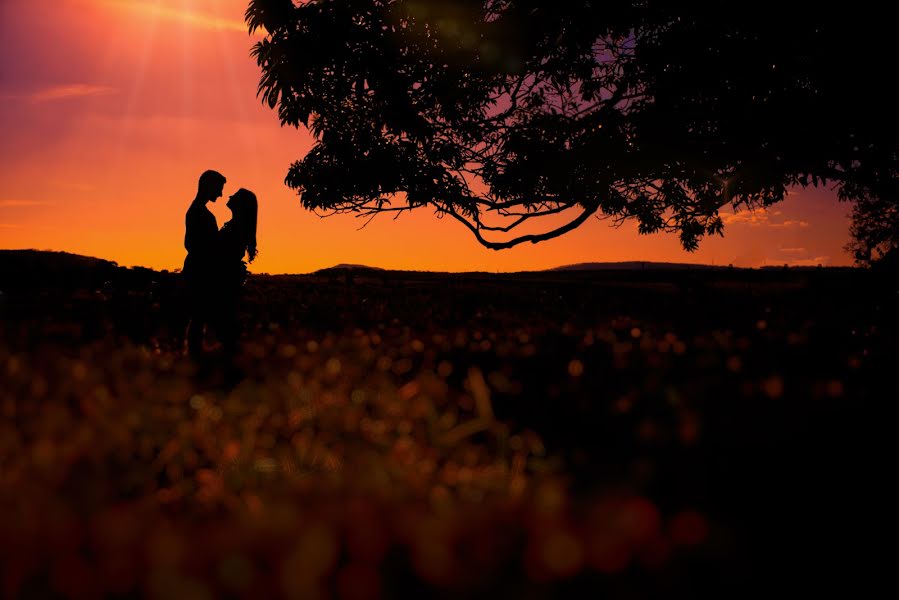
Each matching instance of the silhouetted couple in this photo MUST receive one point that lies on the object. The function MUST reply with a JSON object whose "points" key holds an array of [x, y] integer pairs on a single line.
{"points": [[214, 268]]}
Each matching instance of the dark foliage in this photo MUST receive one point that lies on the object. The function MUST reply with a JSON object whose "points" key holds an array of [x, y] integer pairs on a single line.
{"points": [[500, 113]]}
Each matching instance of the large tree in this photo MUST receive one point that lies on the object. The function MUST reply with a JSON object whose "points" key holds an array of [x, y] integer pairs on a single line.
{"points": [[522, 119]]}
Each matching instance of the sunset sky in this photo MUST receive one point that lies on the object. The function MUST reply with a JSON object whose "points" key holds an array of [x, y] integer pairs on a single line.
{"points": [[110, 110]]}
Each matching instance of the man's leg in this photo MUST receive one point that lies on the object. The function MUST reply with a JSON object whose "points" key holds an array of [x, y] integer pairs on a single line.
{"points": [[229, 332], [197, 325], [195, 330]]}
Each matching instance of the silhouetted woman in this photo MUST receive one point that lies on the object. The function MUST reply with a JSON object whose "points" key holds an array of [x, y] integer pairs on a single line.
{"points": [[236, 240]]}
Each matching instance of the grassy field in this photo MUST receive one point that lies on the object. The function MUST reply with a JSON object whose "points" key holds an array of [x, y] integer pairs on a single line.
{"points": [[626, 434]]}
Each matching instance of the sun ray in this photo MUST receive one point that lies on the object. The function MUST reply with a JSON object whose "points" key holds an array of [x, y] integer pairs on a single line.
{"points": [[158, 10], [137, 84], [236, 91], [187, 87]]}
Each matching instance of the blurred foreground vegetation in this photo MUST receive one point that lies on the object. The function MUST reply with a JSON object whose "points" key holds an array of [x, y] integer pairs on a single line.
{"points": [[634, 433]]}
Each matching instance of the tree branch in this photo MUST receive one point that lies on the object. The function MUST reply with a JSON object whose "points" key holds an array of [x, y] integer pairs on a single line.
{"points": [[522, 218], [532, 238]]}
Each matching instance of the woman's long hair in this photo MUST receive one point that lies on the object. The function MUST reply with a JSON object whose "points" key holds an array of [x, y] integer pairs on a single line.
{"points": [[244, 207]]}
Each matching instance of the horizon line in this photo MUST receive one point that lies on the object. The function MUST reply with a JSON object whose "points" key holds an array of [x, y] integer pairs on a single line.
{"points": [[570, 266]]}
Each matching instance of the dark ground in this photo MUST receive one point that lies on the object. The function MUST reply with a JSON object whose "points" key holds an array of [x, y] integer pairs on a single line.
{"points": [[633, 434]]}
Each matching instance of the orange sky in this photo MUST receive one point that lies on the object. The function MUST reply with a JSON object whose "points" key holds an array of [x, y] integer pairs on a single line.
{"points": [[110, 109]]}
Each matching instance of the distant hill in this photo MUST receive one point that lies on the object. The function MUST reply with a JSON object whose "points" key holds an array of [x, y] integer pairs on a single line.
{"points": [[805, 268], [28, 268], [50, 260], [635, 265], [44, 268], [352, 266], [591, 266], [348, 270]]}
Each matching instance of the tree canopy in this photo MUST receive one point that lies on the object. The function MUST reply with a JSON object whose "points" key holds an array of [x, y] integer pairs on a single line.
{"points": [[522, 119]]}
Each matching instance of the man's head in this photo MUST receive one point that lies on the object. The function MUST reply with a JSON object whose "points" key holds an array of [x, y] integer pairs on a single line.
{"points": [[211, 185]]}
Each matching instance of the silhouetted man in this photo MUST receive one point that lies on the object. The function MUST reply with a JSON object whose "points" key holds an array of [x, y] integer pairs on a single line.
{"points": [[199, 240]]}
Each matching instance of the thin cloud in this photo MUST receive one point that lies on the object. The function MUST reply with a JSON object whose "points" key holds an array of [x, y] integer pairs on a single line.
{"points": [[18, 203], [10, 226], [791, 223], [744, 218], [75, 90], [794, 250], [761, 218], [189, 17]]}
